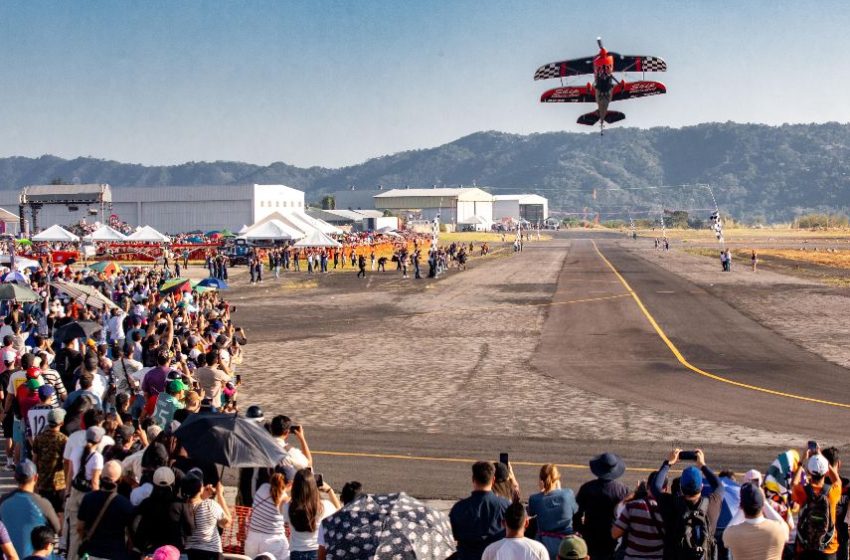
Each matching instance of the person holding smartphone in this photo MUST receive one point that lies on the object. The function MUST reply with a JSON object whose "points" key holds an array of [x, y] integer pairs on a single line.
{"points": [[690, 516]]}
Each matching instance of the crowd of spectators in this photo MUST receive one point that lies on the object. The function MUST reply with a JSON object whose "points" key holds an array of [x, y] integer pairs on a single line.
{"points": [[798, 509]]}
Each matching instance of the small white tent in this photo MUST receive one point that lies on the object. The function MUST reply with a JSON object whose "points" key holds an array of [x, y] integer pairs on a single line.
{"points": [[105, 233], [318, 239], [272, 230], [55, 233], [148, 235]]}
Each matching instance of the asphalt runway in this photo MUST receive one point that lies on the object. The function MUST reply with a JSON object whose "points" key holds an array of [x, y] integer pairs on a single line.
{"points": [[606, 346], [615, 350]]}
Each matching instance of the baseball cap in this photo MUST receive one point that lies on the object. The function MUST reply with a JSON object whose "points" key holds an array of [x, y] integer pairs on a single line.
{"points": [[33, 384], [9, 356], [166, 552], [572, 548], [751, 496], [46, 391], [194, 353], [25, 470], [56, 416], [177, 385], [153, 432], [95, 434], [817, 465], [691, 481], [753, 476], [163, 476]]}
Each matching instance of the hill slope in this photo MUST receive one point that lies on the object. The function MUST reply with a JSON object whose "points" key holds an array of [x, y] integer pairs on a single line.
{"points": [[756, 170]]}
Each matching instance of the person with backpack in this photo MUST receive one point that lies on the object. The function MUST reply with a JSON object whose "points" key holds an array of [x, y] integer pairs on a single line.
{"points": [[818, 498], [690, 517]]}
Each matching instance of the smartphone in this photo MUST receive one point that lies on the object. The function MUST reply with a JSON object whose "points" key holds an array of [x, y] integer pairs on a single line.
{"points": [[196, 385], [135, 424], [813, 446], [503, 458], [687, 455], [238, 378], [320, 480], [294, 428]]}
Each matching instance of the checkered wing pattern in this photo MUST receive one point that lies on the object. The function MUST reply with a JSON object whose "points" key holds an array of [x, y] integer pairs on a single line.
{"points": [[564, 68], [639, 63]]}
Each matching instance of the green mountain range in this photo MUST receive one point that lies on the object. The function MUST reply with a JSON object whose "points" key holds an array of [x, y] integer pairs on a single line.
{"points": [[755, 171]]}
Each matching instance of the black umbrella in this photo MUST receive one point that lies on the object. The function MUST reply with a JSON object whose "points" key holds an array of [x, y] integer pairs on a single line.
{"points": [[76, 329], [228, 440], [388, 526]]}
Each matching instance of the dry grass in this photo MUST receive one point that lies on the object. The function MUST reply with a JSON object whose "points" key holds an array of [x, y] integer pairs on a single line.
{"points": [[740, 234]]}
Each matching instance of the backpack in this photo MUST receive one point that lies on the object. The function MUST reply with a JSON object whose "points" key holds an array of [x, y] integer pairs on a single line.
{"points": [[815, 528], [74, 413], [695, 541]]}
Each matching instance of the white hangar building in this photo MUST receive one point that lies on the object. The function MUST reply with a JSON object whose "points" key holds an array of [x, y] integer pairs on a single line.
{"points": [[172, 209], [531, 207], [453, 205]]}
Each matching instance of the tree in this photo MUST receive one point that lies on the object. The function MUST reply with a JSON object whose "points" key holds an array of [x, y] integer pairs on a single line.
{"points": [[328, 202]]}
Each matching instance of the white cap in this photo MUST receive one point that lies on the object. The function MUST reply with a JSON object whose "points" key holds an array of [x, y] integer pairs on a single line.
{"points": [[817, 465], [194, 353], [163, 476], [9, 356], [753, 475]]}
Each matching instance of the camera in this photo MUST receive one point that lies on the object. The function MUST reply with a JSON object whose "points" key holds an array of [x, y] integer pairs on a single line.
{"points": [[687, 455]]}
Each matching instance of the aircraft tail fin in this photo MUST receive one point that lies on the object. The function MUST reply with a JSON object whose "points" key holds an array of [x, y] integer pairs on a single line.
{"points": [[614, 116], [589, 119]]}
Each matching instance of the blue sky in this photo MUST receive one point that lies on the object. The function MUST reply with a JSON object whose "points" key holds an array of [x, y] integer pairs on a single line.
{"points": [[335, 83]]}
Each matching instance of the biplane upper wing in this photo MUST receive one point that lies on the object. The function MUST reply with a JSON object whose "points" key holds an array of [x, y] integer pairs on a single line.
{"points": [[638, 63], [564, 68], [632, 90]]}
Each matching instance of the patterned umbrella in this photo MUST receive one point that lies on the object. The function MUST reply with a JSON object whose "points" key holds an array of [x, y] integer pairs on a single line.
{"points": [[176, 285], [388, 527]]}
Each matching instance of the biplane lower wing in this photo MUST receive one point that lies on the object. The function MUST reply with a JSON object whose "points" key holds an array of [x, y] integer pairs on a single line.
{"points": [[579, 94], [633, 90]]}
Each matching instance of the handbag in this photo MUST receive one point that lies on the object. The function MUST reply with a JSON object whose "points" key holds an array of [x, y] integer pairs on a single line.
{"points": [[84, 542]]}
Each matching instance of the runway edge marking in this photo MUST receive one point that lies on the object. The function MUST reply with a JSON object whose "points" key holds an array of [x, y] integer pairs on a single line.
{"points": [[363, 455], [682, 360]]}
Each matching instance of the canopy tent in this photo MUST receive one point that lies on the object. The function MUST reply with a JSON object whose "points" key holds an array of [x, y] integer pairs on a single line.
{"points": [[474, 220], [272, 230], [55, 233], [243, 229], [313, 223], [318, 239], [148, 234], [105, 233]]}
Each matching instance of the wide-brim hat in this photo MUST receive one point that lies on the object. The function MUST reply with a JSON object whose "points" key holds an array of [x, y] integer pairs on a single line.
{"points": [[607, 466]]}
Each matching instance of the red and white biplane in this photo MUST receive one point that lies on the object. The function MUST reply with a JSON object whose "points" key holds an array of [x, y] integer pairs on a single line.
{"points": [[605, 87]]}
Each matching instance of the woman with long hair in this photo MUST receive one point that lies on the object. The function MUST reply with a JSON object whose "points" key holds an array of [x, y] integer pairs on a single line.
{"points": [[554, 508], [306, 509], [267, 528]]}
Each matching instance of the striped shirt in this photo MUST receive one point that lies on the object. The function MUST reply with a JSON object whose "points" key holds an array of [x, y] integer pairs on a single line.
{"points": [[265, 517], [641, 521], [205, 535], [51, 377]]}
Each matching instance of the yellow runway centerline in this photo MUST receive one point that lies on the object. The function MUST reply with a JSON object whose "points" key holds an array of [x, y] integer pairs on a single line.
{"points": [[682, 360], [396, 457]]}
